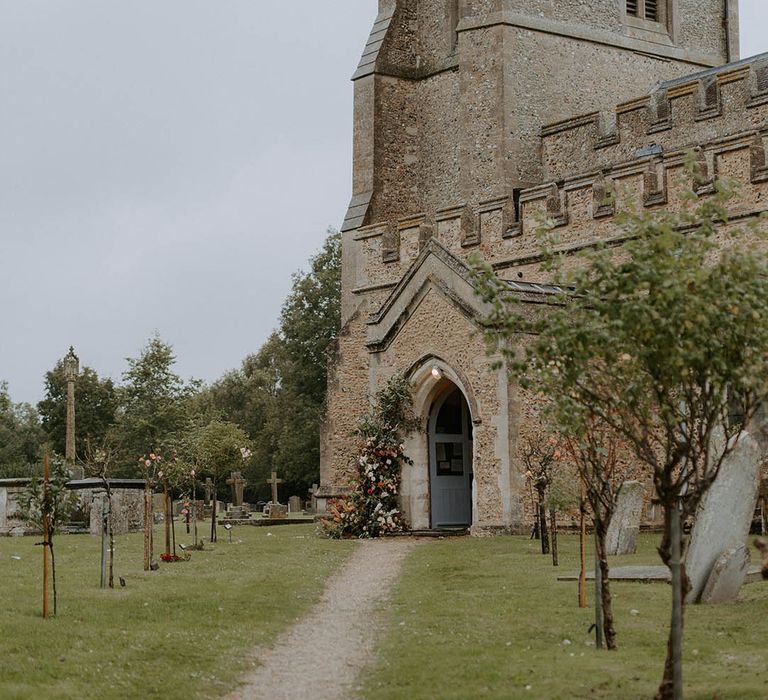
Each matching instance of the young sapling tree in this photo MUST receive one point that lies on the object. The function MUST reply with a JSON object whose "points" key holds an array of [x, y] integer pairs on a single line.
{"points": [[660, 342], [47, 503]]}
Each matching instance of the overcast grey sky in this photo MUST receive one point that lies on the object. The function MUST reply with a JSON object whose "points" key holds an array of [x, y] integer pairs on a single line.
{"points": [[166, 165]]}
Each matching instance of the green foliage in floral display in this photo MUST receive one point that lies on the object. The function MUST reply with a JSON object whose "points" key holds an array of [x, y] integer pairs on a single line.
{"points": [[372, 509]]}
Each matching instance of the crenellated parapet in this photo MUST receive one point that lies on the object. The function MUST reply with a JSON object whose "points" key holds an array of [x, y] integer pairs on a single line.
{"points": [[678, 114], [581, 209]]}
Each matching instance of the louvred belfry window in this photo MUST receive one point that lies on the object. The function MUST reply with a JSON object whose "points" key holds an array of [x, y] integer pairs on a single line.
{"points": [[650, 10]]}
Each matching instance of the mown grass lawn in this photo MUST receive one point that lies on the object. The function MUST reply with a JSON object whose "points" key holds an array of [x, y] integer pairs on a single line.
{"points": [[488, 619], [181, 632]]}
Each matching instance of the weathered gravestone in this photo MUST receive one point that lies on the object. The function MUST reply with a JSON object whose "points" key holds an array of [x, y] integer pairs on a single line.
{"points": [[294, 505], [237, 483], [313, 498], [3, 508], [276, 511], [127, 511], [158, 502], [625, 523], [208, 491], [727, 577], [725, 513]]}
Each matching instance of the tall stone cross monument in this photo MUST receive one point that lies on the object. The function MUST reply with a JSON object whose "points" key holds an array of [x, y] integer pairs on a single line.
{"points": [[274, 481], [71, 370]]}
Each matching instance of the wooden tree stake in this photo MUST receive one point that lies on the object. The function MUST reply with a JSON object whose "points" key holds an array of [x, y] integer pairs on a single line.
{"points": [[45, 535], [583, 551]]}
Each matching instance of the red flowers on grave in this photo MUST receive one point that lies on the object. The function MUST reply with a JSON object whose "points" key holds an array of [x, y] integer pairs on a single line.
{"points": [[170, 557]]}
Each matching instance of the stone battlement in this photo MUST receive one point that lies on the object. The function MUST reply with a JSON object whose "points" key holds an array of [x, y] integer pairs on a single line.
{"points": [[503, 231], [678, 114]]}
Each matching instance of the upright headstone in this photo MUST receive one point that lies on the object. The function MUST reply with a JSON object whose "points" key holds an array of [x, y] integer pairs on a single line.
{"points": [[725, 513], [276, 511], [3, 508], [625, 523], [294, 504], [208, 491], [313, 498]]}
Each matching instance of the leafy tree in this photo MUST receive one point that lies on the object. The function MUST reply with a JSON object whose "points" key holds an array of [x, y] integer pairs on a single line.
{"points": [[152, 401], [99, 463], [95, 406], [596, 452], [278, 393], [49, 505], [21, 437], [661, 344], [539, 456], [310, 320], [215, 449]]}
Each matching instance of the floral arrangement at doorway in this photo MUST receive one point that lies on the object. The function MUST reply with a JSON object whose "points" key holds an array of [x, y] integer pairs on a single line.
{"points": [[373, 510]]}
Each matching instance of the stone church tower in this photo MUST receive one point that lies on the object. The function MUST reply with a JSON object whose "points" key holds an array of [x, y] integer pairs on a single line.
{"points": [[464, 130]]}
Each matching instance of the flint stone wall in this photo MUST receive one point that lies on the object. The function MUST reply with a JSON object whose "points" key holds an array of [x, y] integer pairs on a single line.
{"points": [[127, 511]]}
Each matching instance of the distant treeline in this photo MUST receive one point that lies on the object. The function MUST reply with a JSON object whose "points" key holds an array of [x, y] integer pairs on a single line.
{"points": [[276, 396]]}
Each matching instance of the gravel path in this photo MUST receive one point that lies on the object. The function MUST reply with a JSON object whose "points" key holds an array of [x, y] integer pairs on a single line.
{"points": [[321, 656]]}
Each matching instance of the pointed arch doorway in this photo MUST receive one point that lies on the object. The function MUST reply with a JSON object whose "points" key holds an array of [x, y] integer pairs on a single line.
{"points": [[450, 460]]}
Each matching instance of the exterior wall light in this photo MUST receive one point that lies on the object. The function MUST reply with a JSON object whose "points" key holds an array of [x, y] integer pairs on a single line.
{"points": [[436, 373]]}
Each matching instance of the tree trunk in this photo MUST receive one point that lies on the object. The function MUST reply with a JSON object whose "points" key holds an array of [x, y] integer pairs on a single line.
{"points": [[194, 513], [111, 534], [213, 514], [553, 534], [173, 531], [146, 527], [670, 550], [167, 519], [543, 528], [53, 574], [582, 555], [535, 530], [605, 588]]}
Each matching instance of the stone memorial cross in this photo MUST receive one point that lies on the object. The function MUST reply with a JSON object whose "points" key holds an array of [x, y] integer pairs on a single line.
{"points": [[238, 485], [208, 491], [274, 481], [71, 370]]}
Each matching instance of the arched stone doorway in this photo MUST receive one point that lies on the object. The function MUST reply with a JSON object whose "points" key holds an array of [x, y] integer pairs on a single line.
{"points": [[450, 451]]}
